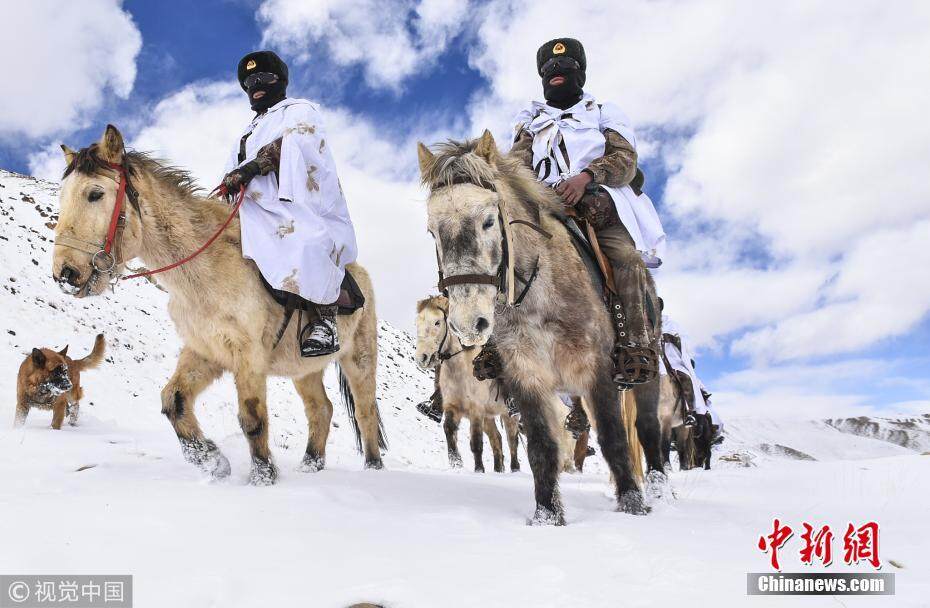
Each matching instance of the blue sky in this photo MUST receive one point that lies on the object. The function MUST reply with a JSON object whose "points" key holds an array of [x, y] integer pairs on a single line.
{"points": [[776, 263]]}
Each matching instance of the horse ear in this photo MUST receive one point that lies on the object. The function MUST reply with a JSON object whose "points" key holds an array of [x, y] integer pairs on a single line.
{"points": [[111, 145], [487, 147], [69, 154], [64, 351], [38, 357], [426, 158]]}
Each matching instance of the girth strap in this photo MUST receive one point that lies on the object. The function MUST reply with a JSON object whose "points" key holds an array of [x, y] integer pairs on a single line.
{"points": [[290, 305]]}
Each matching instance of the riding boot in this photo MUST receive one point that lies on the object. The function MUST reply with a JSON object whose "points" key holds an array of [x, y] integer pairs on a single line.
{"points": [[432, 407], [487, 365], [636, 351], [687, 397], [576, 422], [320, 336]]}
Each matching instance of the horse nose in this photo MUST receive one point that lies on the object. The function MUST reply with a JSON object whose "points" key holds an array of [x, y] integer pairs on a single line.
{"points": [[481, 324], [69, 275]]}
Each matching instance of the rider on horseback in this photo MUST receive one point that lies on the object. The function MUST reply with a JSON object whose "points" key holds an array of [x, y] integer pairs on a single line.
{"points": [[695, 398], [587, 152], [295, 223]]}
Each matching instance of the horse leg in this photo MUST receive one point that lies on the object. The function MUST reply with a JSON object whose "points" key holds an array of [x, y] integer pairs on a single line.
{"points": [[476, 441], [667, 448], [512, 428], [253, 418], [685, 447], [611, 437], [647, 425], [359, 370], [543, 450], [191, 376], [319, 410], [497, 444], [450, 425]]}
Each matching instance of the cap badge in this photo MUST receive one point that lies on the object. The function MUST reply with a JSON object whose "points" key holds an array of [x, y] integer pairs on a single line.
{"points": [[558, 49], [251, 64]]}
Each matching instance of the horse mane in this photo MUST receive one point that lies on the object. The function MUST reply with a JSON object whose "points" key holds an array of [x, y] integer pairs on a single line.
{"points": [[89, 162], [456, 162], [439, 302]]}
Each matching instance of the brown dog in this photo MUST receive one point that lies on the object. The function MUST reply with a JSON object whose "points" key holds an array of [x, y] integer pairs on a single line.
{"points": [[52, 380]]}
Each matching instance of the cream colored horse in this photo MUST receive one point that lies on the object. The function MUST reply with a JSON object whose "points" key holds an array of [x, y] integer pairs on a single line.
{"points": [[224, 316], [463, 396]]}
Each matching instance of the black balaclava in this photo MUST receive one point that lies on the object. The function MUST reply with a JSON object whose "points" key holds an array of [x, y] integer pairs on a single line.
{"points": [[562, 57], [264, 61]]}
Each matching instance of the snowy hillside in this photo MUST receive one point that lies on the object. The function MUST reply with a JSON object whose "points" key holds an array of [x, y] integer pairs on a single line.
{"points": [[114, 495]]}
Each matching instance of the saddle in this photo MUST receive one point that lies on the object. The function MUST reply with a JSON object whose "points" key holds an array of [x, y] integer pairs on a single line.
{"points": [[350, 299]]}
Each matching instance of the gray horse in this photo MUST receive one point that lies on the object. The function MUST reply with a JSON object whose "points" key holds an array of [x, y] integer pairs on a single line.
{"points": [[513, 277]]}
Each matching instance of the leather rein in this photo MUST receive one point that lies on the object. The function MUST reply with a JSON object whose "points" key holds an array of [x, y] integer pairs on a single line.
{"points": [[443, 357], [104, 261]]}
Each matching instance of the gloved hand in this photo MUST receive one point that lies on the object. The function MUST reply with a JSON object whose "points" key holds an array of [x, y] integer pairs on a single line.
{"points": [[241, 176]]}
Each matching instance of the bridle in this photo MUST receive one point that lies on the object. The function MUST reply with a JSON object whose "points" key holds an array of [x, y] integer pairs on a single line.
{"points": [[104, 261], [443, 357], [504, 279]]}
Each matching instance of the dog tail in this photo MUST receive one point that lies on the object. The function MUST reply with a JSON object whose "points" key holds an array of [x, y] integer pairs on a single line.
{"points": [[95, 357]]}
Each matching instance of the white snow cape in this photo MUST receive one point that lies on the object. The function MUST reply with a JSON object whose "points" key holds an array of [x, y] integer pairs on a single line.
{"points": [[580, 128], [681, 361], [296, 225]]}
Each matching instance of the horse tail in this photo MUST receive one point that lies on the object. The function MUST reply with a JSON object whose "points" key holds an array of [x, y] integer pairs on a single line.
{"points": [[348, 400], [628, 407]]}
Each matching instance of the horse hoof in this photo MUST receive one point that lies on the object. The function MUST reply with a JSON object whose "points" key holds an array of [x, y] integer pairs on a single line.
{"points": [[312, 464], [547, 517], [479, 468], [632, 502], [374, 463], [455, 462], [221, 468], [657, 487], [263, 473], [515, 467], [207, 457]]}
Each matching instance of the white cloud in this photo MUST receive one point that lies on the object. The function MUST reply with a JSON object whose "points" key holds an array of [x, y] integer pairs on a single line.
{"points": [[197, 128], [882, 290], [390, 41], [62, 60], [812, 391]]}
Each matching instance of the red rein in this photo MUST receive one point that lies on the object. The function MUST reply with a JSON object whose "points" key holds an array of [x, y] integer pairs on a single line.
{"points": [[118, 213]]}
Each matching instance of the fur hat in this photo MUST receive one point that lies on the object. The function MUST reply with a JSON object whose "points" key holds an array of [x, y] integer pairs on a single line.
{"points": [[262, 61], [561, 47]]}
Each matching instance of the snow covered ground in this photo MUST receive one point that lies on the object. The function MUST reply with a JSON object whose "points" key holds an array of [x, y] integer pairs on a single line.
{"points": [[114, 495]]}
